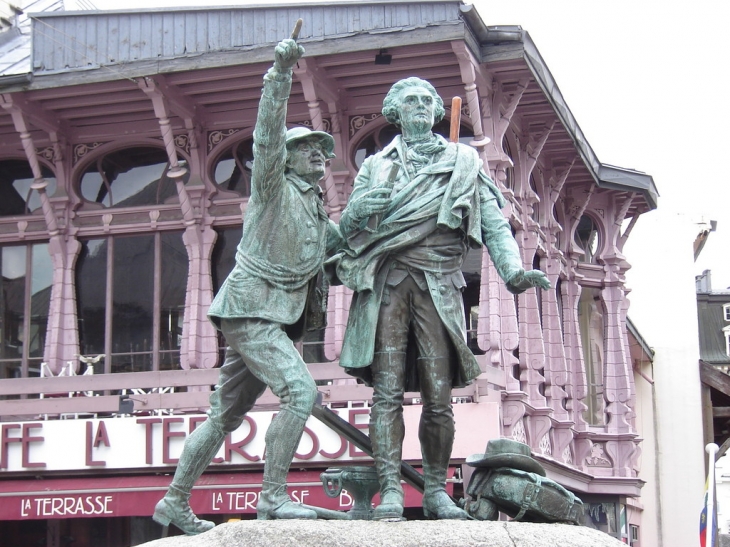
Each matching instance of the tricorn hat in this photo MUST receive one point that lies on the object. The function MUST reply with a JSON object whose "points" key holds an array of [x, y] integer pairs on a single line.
{"points": [[507, 453], [303, 133]]}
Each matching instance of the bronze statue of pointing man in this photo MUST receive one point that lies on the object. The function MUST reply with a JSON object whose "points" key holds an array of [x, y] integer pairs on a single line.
{"points": [[264, 301], [416, 208]]}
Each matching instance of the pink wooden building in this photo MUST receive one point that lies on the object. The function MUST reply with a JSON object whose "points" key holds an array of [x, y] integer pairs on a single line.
{"points": [[105, 256]]}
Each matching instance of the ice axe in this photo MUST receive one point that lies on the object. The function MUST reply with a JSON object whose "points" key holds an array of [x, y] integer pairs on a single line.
{"points": [[344, 428]]}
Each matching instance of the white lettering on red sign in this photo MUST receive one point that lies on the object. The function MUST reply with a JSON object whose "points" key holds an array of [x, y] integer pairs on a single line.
{"points": [[298, 496], [345, 499], [232, 502], [65, 506]]}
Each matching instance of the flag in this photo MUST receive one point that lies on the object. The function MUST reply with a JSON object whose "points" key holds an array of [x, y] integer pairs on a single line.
{"points": [[703, 518]]}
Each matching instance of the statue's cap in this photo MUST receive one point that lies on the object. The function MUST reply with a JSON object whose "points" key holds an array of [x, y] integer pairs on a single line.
{"points": [[296, 134]]}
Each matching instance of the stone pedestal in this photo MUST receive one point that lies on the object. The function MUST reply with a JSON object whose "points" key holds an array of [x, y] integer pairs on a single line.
{"points": [[418, 533]]}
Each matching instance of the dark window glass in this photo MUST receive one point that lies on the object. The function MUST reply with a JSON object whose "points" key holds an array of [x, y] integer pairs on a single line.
{"points": [[538, 290], [559, 299], [535, 206], [129, 177], [91, 276], [587, 238], [374, 142], [134, 261], [224, 254], [222, 262], [378, 139], [174, 275], [472, 271], [232, 170], [133, 303], [40, 301], [16, 196], [25, 295], [509, 171], [312, 346], [14, 270], [558, 233]]}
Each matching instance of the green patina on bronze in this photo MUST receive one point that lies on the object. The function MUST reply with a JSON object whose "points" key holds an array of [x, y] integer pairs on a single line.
{"points": [[360, 482], [507, 479], [271, 295], [416, 208]]}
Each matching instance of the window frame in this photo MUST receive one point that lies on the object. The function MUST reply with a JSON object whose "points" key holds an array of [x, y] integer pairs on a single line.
{"points": [[229, 145], [156, 352], [99, 154], [26, 360]]}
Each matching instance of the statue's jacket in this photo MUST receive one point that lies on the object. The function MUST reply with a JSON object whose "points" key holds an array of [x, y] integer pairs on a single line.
{"points": [[451, 193], [286, 232]]}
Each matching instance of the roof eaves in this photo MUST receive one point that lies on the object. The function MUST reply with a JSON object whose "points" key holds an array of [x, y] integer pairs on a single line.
{"points": [[14, 80], [640, 339], [257, 6], [620, 178], [605, 176]]}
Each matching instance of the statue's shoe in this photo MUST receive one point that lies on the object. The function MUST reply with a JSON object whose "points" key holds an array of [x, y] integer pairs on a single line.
{"points": [[440, 506], [172, 510], [390, 508], [286, 510]]}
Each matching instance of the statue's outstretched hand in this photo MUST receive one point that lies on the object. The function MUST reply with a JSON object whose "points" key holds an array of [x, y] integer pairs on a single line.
{"points": [[372, 202], [287, 53], [528, 279]]}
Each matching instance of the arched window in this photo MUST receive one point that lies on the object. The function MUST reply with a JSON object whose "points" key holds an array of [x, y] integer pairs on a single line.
{"points": [[592, 334], [535, 206], [129, 177], [587, 237], [232, 169], [558, 233], [381, 137], [538, 290], [509, 171], [559, 301], [16, 195], [374, 142]]}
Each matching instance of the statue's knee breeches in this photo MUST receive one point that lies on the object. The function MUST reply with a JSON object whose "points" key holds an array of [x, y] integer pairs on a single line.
{"points": [[235, 394], [299, 395], [271, 357]]}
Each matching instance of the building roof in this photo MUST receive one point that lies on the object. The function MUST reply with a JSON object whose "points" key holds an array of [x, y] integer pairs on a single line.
{"points": [[713, 349], [15, 41], [95, 47]]}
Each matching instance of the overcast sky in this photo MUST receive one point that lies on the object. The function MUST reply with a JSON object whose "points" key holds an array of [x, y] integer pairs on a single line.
{"points": [[647, 82]]}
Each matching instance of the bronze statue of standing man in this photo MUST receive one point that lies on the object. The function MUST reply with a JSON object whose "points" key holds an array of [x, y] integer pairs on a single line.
{"points": [[269, 293], [416, 208]]}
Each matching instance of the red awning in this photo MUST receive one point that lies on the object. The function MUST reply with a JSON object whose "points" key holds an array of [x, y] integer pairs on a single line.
{"points": [[94, 497]]}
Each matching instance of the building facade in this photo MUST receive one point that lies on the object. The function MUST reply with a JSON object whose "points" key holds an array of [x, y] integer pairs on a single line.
{"points": [[713, 314], [109, 263]]}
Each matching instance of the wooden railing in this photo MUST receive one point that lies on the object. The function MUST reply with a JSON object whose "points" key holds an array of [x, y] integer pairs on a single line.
{"points": [[101, 393]]}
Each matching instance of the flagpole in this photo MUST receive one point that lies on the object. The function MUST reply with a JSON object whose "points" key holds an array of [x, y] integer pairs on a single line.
{"points": [[711, 450]]}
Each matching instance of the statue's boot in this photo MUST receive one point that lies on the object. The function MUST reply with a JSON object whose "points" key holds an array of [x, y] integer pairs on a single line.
{"points": [[436, 433], [199, 449], [282, 439], [387, 431]]}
